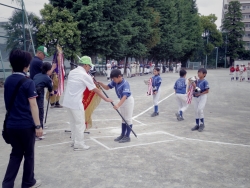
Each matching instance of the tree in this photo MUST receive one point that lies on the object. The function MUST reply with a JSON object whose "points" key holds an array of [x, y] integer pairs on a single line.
{"points": [[234, 27], [211, 35], [58, 27], [14, 30]]}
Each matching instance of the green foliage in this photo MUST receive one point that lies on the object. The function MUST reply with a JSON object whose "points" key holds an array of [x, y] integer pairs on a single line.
{"points": [[155, 29], [211, 35], [234, 27], [14, 30], [58, 27]]}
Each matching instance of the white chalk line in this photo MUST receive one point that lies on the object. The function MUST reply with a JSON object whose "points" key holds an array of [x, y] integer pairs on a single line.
{"points": [[100, 143], [208, 141], [152, 106], [146, 144], [138, 122]]}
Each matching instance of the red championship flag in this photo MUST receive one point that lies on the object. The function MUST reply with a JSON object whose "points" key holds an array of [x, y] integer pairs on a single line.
{"points": [[90, 101]]}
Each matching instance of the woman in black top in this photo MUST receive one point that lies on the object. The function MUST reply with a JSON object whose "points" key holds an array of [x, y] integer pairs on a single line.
{"points": [[22, 122]]}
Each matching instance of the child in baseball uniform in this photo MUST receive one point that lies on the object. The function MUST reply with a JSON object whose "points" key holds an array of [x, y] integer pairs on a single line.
{"points": [[237, 69], [108, 66], [241, 69], [156, 83], [244, 73], [180, 88], [248, 72], [125, 105], [201, 89], [232, 70]]}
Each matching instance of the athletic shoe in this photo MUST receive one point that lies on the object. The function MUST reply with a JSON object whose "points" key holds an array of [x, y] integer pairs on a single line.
{"points": [[118, 138], [124, 139], [44, 133], [80, 147], [37, 184], [178, 116], [202, 126], [155, 114], [40, 138], [195, 128], [52, 106], [45, 127], [58, 106], [181, 118]]}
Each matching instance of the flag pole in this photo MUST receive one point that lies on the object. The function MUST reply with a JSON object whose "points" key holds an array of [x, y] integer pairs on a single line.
{"points": [[111, 102]]}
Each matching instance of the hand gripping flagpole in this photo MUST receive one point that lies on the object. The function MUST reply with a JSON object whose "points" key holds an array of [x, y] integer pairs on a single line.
{"points": [[111, 102]]}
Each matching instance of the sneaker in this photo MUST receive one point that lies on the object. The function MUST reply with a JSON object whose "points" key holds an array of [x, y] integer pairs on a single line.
{"points": [[45, 127], [178, 116], [80, 147], [44, 133], [202, 126], [40, 138], [118, 138], [58, 106], [196, 127], [72, 144], [124, 139], [155, 114], [181, 118], [52, 106], [37, 184]]}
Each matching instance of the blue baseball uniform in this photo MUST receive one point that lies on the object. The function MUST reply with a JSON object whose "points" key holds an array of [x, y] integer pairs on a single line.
{"points": [[156, 83], [180, 88], [126, 109]]}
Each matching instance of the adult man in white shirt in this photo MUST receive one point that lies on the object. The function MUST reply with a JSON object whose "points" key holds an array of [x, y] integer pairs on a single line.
{"points": [[78, 80], [108, 70]]}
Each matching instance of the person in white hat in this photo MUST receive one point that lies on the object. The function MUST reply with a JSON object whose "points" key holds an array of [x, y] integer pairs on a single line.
{"points": [[78, 81]]}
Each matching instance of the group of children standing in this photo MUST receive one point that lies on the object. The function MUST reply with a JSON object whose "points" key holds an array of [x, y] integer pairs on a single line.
{"points": [[240, 72], [198, 90]]}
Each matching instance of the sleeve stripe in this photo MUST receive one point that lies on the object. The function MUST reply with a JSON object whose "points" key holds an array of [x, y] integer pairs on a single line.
{"points": [[33, 97]]}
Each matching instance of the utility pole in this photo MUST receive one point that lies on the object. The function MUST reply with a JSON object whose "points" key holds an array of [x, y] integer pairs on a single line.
{"points": [[225, 53], [206, 53], [24, 38], [216, 57]]}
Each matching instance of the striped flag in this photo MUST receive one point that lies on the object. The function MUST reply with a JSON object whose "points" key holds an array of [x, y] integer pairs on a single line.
{"points": [[190, 94]]}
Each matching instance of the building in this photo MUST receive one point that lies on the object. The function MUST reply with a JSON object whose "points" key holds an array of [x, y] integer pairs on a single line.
{"points": [[246, 18]]}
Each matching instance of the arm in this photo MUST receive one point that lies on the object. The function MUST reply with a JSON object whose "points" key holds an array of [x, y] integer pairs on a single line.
{"points": [[120, 102], [35, 112], [52, 69], [100, 94], [106, 87]]}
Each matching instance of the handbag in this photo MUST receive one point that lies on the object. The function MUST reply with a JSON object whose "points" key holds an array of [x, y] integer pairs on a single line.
{"points": [[12, 99]]}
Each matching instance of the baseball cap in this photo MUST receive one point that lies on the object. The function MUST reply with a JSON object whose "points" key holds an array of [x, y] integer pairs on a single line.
{"points": [[86, 60], [44, 50]]}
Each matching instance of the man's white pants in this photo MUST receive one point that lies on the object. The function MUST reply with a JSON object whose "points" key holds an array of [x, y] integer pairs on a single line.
{"points": [[199, 105], [181, 101], [77, 125], [128, 73], [122, 70], [126, 110], [156, 97], [141, 70], [108, 73]]}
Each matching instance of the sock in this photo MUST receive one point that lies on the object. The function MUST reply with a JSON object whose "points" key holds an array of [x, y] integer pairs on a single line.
{"points": [[202, 120], [124, 127], [128, 130], [156, 109], [181, 113], [197, 121]]}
